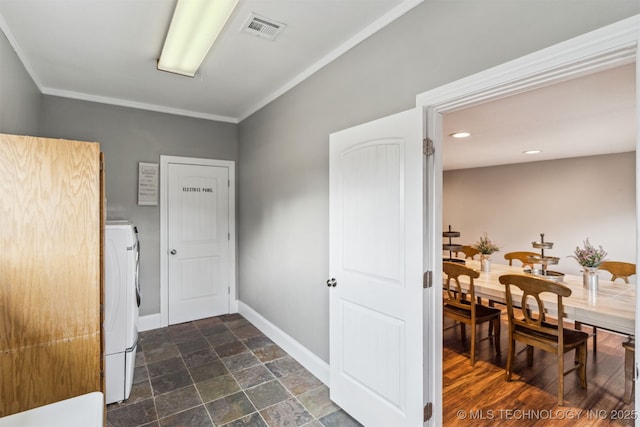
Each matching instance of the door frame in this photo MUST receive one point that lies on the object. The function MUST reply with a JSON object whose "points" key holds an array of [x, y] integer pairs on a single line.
{"points": [[164, 229], [606, 47]]}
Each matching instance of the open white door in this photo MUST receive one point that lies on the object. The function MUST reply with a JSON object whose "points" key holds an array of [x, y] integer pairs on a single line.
{"points": [[376, 268]]}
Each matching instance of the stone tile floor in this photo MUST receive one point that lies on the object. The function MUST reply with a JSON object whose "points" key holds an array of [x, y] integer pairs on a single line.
{"points": [[221, 371]]}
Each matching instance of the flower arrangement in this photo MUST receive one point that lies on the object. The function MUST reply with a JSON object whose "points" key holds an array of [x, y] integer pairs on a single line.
{"points": [[588, 255], [485, 246]]}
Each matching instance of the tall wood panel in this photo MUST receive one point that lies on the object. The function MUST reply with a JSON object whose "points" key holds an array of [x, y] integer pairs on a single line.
{"points": [[50, 271]]}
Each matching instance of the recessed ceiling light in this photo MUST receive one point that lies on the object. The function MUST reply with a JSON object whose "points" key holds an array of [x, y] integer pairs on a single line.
{"points": [[532, 151], [460, 134]]}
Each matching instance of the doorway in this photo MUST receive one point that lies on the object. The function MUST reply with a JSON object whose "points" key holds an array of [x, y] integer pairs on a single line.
{"points": [[605, 48], [514, 202], [197, 238]]}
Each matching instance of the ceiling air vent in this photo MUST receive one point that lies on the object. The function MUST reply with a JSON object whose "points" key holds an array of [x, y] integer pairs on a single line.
{"points": [[263, 27]]}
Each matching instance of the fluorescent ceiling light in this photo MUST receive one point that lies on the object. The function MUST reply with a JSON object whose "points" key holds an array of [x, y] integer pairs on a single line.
{"points": [[460, 134], [532, 151], [194, 27]]}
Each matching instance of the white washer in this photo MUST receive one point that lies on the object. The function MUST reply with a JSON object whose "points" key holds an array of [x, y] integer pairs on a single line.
{"points": [[122, 299]]}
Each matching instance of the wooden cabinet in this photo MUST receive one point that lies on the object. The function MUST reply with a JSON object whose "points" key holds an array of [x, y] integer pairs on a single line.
{"points": [[51, 221]]}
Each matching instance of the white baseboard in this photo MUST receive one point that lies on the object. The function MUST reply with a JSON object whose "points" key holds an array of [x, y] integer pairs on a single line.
{"points": [[149, 322], [300, 353]]}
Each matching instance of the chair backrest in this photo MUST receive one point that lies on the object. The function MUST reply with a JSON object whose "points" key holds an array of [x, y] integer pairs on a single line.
{"points": [[522, 256], [618, 269], [532, 318], [468, 251], [454, 295]]}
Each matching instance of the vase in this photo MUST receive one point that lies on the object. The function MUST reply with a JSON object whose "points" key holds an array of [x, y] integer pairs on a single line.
{"points": [[590, 278], [485, 263]]}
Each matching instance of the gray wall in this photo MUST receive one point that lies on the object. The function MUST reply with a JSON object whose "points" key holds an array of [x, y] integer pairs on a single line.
{"points": [[19, 96], [568, 200], [283, 157], [128, 136]]}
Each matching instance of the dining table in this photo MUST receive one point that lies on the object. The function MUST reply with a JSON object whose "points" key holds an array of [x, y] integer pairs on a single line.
{"points": [[612, 306]]}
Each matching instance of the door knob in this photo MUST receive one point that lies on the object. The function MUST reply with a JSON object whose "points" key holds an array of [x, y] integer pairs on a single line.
{"points": [[332, 282], [173, 252]]}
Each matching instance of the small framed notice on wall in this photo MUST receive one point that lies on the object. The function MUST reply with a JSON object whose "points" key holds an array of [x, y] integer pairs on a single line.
{"points": [[148, 184]]}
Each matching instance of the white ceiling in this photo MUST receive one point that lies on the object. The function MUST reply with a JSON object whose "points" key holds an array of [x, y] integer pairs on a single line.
{"points": [[586, 116], [106, 50]]}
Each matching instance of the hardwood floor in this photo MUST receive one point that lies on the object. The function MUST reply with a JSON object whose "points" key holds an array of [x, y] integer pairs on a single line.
{"points": [[481, 396]]}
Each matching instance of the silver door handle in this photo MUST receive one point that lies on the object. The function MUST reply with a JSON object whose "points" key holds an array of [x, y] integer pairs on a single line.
{"points": [[173, 252]]}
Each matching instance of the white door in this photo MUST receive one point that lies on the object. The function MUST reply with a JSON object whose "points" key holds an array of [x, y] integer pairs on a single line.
{"points": [[198, 241], [376, 265]]}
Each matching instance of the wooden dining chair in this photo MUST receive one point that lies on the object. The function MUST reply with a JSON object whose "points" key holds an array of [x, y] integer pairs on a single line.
{"points": [[459, 304], [629, 361], [531, 327], [521, 256], [618, 270], [468, 251]]}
